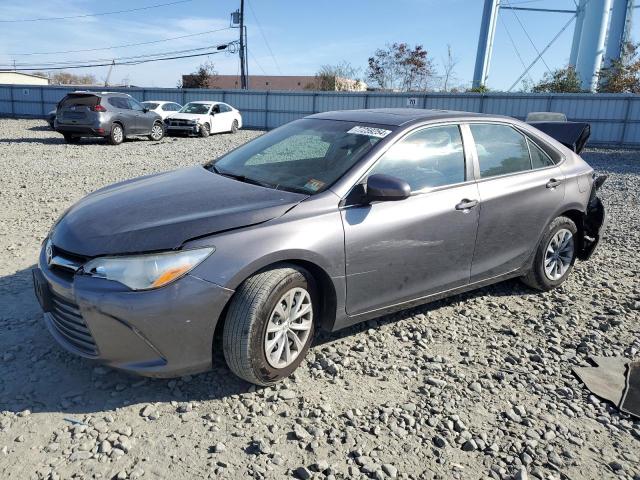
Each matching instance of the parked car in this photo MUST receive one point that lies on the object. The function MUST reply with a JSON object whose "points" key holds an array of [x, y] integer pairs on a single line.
{"points": [[204, 118], [111, 115], [51, 118], [322, 223], [162, 108]]}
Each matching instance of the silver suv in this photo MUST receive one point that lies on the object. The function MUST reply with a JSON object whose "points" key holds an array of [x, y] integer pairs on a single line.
{"points": [[110, 115]]}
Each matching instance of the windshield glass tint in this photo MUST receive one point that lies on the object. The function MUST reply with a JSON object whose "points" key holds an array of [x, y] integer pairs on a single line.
{"points": [[197, 108], [80, 100], [306, 155]]}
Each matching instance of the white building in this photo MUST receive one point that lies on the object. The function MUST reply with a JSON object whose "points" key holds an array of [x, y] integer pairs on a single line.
{"points": [[18, 78]]}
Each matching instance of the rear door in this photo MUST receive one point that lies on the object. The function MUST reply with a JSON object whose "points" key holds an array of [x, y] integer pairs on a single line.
{"points": [[75, 109], [143, 120], [398, 251], [520, 189]]}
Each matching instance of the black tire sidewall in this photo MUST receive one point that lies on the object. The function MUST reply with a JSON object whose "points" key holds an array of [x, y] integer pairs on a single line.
{"points": [[538, 266], [258, 359]]}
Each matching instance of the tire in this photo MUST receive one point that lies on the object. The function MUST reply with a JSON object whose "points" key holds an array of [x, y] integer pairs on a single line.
{"points": [[157, 132], [234, 127], [552, 265], [71, 138], [116, 137], [205, 130], [253, 309]]}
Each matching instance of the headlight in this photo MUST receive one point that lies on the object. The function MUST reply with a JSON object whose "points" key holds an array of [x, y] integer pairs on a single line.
{"points": [[145, 272]]}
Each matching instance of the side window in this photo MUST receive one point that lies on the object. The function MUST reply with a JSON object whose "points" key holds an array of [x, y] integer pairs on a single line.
{"points": [[119, 102], [429, 158], [539, 159], [167, 107], [224, 107], [134, 104], [501, 149]]}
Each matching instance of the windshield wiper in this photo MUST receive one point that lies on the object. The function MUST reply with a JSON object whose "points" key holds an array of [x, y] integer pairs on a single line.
{"points": [[241, 178]]}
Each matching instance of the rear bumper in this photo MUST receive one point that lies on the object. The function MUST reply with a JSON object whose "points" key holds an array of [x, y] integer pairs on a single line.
{"points": [[83, 130], [594, 225], [159, 333]]}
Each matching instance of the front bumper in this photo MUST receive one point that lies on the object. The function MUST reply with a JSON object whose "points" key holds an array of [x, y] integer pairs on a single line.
{"points": [[159, 333], [182, 128]]}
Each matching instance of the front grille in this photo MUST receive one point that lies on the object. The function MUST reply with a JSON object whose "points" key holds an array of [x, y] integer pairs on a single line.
{"points": [[181, 123], [68, 321]]}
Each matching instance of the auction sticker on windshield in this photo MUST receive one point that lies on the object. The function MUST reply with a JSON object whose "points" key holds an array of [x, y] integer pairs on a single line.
{"points": [[370, 131], [314, 184]]}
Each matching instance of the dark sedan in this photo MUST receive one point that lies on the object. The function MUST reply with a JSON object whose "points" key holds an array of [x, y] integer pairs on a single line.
{"points": [[320, 224]]}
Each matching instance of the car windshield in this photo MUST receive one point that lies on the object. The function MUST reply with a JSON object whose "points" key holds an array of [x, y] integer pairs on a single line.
{"points": [[197, 108], [150, 105], [305, 156]]}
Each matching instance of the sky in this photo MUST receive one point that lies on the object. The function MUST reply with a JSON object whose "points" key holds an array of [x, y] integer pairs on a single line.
{"points": [[285, 37]]}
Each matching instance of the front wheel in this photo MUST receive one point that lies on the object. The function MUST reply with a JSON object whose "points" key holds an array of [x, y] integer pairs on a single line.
{"points": [[555, 256], [157, 132], [205, 130], [269, 325]]}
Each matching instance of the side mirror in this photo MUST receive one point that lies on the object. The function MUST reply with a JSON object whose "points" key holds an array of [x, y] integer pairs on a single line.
{"points": [[384, 188], [145, 110]]}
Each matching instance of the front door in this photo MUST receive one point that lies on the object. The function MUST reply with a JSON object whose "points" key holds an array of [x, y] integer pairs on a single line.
{"points": [[403, 250], [520, 190]]}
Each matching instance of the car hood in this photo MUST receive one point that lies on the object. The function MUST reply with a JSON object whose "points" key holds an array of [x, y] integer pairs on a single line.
{"points": [[162, 211], [187, 116]]}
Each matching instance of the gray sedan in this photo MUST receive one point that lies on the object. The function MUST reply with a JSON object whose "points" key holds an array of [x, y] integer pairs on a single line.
{"points": [[320, 224]]}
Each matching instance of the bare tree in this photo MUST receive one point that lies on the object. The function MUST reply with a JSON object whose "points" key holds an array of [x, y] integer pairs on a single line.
{"points": [[400, 67], [205, 76], [64, 78], [449, 65], [340, 77]]}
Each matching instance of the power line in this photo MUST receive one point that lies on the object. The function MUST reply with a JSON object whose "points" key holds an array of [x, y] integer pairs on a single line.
{"points": [[266, 42], [253, 58], [95, 60], [118, 46], [100, 14], [218, 49]]}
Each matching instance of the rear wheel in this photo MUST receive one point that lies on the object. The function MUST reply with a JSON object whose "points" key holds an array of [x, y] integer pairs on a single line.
{"points": [[71, 138], [157, 132], [234, 126], [555, 256], [205, 130], [116, 137], [269, 325]]}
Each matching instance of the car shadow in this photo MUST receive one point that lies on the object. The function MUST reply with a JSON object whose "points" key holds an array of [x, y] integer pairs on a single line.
{"points": [[39, 375], [41, 128]]}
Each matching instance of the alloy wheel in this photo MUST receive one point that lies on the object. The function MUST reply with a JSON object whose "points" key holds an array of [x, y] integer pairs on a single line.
{"points": [[117, 134], [156, 132], [559, 254], [289, 328]]}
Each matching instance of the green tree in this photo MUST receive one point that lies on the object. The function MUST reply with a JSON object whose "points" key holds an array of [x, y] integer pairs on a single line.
{"points": [[400, 67], [562, 80], [623, 75]]}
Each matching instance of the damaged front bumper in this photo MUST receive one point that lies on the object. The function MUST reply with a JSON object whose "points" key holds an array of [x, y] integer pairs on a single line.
{"points": [[594, 223]]}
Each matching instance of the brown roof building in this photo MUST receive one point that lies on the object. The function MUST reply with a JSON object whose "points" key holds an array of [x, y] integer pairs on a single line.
{"points": [[279, 82]]}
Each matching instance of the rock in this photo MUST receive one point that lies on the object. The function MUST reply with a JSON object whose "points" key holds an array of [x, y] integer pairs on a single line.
{"points": [[149, 412], [390, 470], [302, 473], [439, 442], [287, 394], [219, 447], [105, 447]]}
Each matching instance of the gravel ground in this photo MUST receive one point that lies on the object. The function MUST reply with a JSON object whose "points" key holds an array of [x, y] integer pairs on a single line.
{"points": [[476, 386]]}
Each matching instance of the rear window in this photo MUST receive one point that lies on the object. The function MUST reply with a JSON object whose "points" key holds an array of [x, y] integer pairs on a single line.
{"points": [[80, 100]]}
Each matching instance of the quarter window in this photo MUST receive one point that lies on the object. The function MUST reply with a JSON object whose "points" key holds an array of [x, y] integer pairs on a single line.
{"points": [[501, 150], [539, 159], [119, 102], [429, 158]]}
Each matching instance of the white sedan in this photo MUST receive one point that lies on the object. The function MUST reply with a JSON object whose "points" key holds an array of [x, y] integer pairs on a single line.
{"points": [[162, 108], [204, 118]]}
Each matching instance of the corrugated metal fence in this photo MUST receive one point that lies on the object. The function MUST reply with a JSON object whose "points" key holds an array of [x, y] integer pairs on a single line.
{"points": [[615, 119]]}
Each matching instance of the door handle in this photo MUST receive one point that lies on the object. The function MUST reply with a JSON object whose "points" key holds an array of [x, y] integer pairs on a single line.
{"points": [[466, 205], [553, 183]]}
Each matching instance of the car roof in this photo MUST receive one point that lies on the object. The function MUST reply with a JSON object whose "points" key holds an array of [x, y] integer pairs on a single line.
{"points": [[159, 102], [205, 102], [394, 116]]}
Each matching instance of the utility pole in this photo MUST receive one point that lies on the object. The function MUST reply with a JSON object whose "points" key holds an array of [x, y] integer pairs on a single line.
{"points": [[243, 73]]}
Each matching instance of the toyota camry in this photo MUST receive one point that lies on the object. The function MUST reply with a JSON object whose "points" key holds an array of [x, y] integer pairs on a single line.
{"points": [[322, 223]]}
